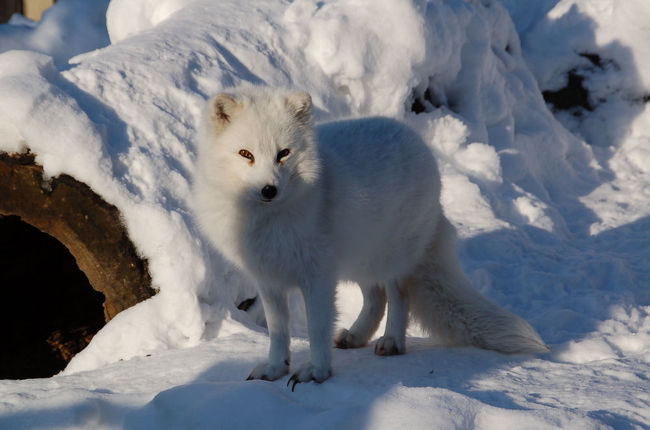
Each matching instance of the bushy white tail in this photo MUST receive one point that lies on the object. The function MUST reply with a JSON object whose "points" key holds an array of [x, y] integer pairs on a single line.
{"points": [[445, 304]]}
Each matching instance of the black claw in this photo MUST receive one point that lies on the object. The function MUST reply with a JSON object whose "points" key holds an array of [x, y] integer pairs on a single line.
{"points": [[294, 379]]}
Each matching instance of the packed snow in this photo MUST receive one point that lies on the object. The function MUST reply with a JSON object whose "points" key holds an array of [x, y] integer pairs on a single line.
{"points": [[552, 204]]}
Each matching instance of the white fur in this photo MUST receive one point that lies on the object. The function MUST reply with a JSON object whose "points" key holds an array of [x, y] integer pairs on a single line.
{"points": [[356, 200]]}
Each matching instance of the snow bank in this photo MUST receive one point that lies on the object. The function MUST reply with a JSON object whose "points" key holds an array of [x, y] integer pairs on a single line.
{"points": [[70, 28], [131, 111], [605, 43], [553, 211], [125, 18]]}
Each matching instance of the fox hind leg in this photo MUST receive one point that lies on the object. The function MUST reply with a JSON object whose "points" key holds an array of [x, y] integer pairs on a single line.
{"points": [[366, 324], [393, 341]]}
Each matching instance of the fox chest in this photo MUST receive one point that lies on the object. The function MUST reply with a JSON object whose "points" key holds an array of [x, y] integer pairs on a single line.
{"points": [[281, 251]]}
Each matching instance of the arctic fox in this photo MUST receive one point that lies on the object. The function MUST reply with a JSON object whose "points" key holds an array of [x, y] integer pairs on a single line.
{"points": [[301, 206]]}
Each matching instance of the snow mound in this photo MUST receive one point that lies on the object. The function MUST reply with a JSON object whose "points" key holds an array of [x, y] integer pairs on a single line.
{"points": [[125, 18], [601, 47], [70, 28], [137, 103]]}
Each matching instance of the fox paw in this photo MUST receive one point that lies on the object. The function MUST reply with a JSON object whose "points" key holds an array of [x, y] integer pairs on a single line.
{"points": [[345, 339], [388, 345], [308, 372], [269, 372]]}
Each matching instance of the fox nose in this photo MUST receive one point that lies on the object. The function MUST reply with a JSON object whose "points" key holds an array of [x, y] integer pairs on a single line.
{"points": [[269, 191]]}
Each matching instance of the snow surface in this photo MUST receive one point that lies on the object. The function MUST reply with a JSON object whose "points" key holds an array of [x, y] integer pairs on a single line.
{"points": [[553, 211]]}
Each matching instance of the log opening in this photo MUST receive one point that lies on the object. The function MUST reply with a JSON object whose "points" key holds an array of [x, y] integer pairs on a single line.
{"points": [[68, 266]]}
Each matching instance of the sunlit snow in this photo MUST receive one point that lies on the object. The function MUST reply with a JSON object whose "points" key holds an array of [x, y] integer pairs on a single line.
{"points": [[552, 206]]}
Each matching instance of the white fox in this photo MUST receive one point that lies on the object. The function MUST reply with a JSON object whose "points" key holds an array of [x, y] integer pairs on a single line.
{"points": [[301, 206]]}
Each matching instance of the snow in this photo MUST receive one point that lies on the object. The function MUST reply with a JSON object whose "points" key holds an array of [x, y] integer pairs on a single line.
{"points": [[73, 27], [126, 18], [552, 207], [618, 83]]}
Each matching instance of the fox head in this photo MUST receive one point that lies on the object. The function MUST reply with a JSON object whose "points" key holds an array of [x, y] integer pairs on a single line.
{"points": [[261, 144]]}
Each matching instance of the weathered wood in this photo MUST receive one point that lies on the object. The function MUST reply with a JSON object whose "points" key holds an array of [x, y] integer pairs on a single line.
{"points": [[81, 220]]}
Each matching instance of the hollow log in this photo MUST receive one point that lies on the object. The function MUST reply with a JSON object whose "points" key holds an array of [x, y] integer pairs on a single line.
{"points": [[89, 227]]}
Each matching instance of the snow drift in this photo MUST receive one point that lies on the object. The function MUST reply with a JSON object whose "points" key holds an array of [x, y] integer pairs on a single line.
{"points": [[130, 111]]}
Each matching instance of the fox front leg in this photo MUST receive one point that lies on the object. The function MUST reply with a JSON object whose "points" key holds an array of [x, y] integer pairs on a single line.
{"points": [[319, 305], [276, 310]]}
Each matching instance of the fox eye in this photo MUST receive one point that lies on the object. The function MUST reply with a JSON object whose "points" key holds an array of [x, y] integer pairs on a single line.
{"points": [[247, 154], [282, 154]]}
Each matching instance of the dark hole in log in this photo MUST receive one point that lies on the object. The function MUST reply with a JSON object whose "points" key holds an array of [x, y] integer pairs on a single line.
{"points": [[48, 309]]}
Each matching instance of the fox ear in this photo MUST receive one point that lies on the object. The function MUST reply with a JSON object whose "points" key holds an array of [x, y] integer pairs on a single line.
{"points": [[223, 108], [299, 104]]}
